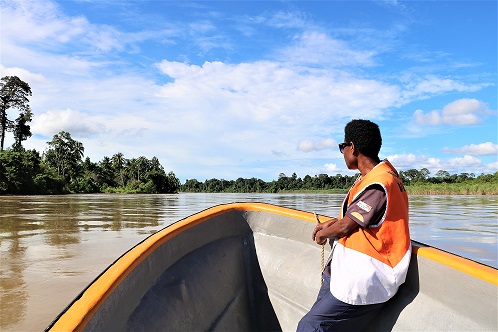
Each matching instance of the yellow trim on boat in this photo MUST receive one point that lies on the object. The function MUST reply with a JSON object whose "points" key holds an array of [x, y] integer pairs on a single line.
{"points": [[467, 266]]}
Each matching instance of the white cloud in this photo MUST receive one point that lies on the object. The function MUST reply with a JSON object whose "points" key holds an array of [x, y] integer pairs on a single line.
{"points": [[77, 123], [461, 112], [23, 74], [492, 167], [458, 165], [313, 47], [269, 91], [465, 161], [331, 168], [48, 27], [306, 145], [420, 88], [483, 149], [405, 161], [41, 34], [432, 164]]}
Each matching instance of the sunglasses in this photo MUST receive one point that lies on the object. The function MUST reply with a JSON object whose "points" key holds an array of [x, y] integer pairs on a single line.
{"points": [[343, 145]]}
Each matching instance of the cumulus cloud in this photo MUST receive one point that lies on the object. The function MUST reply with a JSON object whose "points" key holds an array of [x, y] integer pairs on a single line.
{"points": [[78, 123], [271, 91], [483, 149], [331, 168], [23, 74], [404, 161], [492, 167], [306, 145], [461, 112], [466, 163]]}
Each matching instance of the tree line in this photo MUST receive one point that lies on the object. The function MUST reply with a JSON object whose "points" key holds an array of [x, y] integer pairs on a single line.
{"points": [[282, 184], [325, 182], [419, 177]]}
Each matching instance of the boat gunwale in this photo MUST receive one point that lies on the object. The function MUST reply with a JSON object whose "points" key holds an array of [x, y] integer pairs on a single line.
{"points": [[81, 309], [462, 264]]}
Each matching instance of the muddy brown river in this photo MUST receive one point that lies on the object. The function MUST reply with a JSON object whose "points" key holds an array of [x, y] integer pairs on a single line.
{"points": [[52, 246]]}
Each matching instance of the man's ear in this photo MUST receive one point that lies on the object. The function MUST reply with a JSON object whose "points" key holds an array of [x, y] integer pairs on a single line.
{"points": [[354, 150]]}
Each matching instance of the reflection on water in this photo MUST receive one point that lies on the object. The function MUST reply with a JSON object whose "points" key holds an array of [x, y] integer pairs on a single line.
{"points": [[53, 246], [465, 225], [50, 243]]}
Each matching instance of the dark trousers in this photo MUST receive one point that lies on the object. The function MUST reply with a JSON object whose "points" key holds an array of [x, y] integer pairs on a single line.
{"points": [[330, 314]]}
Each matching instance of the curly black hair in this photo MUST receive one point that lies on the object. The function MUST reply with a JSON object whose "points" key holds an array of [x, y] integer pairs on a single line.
{"points": [[366, 137]]}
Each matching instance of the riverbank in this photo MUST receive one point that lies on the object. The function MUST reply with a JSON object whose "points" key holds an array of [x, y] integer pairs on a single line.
{"points": [[423, 189], [453, 189]]}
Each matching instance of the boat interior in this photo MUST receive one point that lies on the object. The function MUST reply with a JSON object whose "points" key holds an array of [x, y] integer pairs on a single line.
{"points": [[253, 267]]}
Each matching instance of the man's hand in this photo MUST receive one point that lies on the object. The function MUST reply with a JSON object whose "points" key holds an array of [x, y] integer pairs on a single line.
{"points": [[318, 235], [333, 229]]}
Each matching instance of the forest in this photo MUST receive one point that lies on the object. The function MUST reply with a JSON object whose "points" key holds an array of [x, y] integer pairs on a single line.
{"points": [[62, 168], [416, 182]]}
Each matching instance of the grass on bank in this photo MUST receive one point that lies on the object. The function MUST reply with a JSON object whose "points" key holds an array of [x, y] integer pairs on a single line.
{"points": [[314, 191], [424, 189], [453, 189]]}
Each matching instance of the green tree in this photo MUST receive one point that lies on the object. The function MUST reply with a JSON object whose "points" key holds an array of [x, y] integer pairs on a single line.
{"points": [[105, 173], [192, 185], [20, 172], [65, 155], [87, 180], [411, 176], [156, 176], [283, 182], [13, 94], [213, 185], [22, 131], [442, 174], [172, 185], [118, 163], [463, 177], [424, 174], [137, 168], [322, 181]]}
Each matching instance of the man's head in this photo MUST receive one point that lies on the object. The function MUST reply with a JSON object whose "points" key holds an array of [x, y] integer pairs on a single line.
{"points": [[365, 136]]}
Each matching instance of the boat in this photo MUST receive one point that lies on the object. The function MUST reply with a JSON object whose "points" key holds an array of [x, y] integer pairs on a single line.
{"points": [[254, 267]]}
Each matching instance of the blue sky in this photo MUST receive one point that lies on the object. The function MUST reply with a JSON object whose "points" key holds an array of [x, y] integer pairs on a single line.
{"points": [[228, 89]]}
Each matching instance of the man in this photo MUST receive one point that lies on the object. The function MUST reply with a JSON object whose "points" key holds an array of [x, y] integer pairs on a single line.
{"points": [[372, 247]]}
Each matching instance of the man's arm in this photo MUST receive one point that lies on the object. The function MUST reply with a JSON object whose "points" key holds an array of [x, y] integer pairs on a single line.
{"points": [[333, 229], [367, 209]]}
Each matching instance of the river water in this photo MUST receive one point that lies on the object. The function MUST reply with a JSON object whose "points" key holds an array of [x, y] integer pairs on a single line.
{"points": [[52, 246]]}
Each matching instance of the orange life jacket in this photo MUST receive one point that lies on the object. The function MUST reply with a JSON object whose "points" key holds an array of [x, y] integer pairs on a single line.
{"points": [[370, 264]]}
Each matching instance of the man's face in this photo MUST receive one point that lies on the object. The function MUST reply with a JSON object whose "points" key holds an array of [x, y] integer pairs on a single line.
{"points": [[349, 157]]}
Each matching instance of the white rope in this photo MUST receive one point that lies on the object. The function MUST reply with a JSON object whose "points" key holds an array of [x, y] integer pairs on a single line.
{"points": [[323, 253]]}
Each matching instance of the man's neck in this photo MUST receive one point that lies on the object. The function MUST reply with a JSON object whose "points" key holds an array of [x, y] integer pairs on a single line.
{"points": [[366, 164]]}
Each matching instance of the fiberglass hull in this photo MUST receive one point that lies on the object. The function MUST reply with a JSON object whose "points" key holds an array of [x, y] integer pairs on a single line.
{"points": [[253, 267]]}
